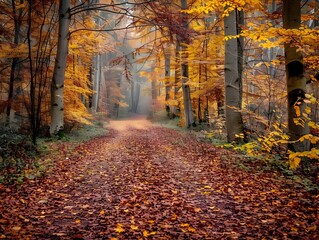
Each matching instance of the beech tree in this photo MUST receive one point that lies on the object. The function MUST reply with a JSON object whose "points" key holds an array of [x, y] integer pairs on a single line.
{"points": [[233, 72], [233, 21], [296, 82], [168, 85], [57, 87], [188, 110]]}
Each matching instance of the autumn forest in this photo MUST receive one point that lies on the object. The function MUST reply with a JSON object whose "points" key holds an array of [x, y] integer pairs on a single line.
{"points": [[159, 119]]}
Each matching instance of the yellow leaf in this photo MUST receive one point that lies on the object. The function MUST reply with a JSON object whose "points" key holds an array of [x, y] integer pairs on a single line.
{"points": [[147, 234], [3, 236], [102, 212], [119, 228], [78, 221], [191, 229], [184, 225], [294, 163], [133, 227]]}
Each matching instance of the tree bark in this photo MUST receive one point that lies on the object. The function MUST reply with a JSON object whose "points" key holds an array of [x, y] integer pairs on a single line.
{"points": [[154, 95], [57, 86], [135, 94], [15, 65], [177, 77], [233, 81], [296, 82], [97, 75], [168, 86], [188, 111], [96, 83]]}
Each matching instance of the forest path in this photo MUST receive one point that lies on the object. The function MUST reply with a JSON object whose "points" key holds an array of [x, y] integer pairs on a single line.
{"points": [[143, 181]]}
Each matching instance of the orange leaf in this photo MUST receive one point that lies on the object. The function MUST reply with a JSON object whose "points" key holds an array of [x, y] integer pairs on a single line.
{"points": [[119, 228]]}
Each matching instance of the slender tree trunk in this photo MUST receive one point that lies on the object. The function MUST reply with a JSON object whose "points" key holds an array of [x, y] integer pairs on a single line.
{"points": [[188, 111], [108, 94], [132, 85], [315, 85], [199, 107], [137, 96], [57, 87], [11, 88], [17, 14], [154, 96], [177, 76], [96, 83], [168, 83], [296, 82], [97, 75], [32, 93], [233, 81], [116, 109]]}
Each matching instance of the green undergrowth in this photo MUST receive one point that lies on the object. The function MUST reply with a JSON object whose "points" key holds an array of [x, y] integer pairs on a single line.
{"points": [[17, 153], [161, 119], [277, 161], [274, 163], [21, 160]]}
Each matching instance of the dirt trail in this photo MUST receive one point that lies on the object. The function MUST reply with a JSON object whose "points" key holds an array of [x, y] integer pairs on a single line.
{"points": [[142, 181]]}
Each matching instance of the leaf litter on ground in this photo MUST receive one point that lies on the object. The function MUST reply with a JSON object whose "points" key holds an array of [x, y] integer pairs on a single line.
{"points": [[136, 182]]}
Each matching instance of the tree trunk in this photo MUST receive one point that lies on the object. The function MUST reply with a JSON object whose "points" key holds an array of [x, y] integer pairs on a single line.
{"points": [[57, 86], [15, 65], [11, 88], [154, 96], [177, 77], [116, 109], [132, 85], [96, 83], [315, 84], [188, 111], [233, 81], [97, 73], [135, 95], [168, 83], [296, 82]]}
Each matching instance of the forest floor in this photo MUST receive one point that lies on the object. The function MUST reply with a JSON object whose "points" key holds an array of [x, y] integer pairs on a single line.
{"points": [[143, 181]]}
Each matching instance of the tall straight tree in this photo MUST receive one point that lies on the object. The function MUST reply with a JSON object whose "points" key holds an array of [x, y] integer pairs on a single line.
{"points": [[57, 87], [97, 73], [167, 66], [16, 64], [233, 76], [296, 82], [188, 112]]}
